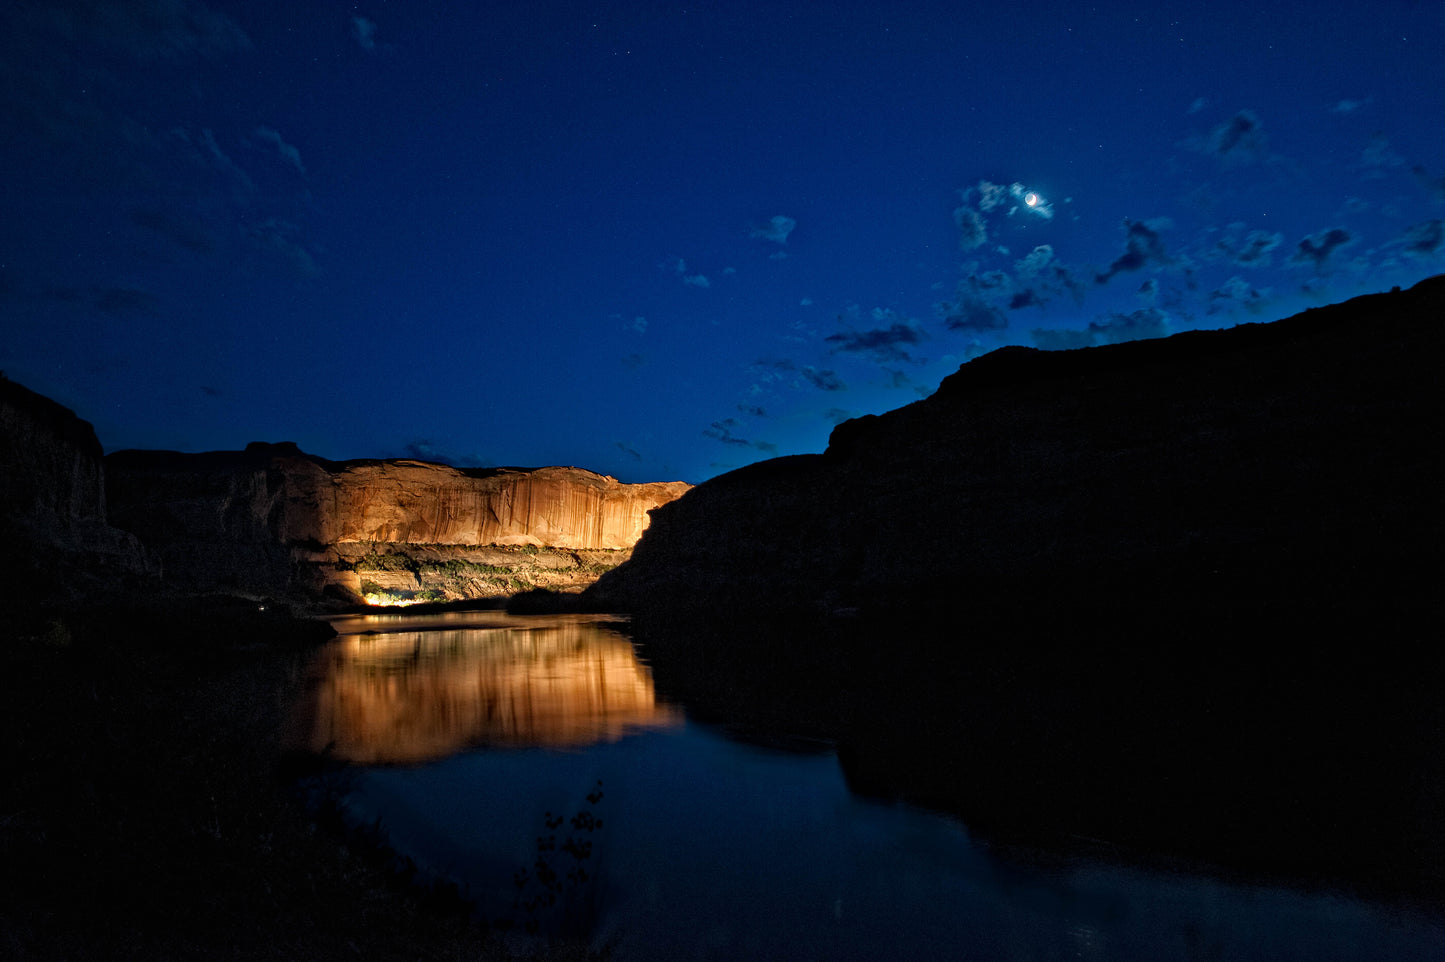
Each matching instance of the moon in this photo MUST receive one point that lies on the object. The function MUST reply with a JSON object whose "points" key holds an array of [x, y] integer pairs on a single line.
{"points": [[1031, 199]]}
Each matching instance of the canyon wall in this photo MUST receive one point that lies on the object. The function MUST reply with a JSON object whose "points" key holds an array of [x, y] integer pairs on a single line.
{"points": [[273, 519], [1291, 462], [53, 501]]}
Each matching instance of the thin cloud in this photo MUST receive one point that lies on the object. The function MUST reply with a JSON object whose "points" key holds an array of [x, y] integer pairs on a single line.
{"points": [[1316, 250], [1236, 294], [972, 230], [696, 280], [631, 452], [1379, 156], [885, 342], [1147, 322], [969, 312], [822, 380], [241, 181], [1349, 106], [1252, 250], [363, 31], [288, 152], [1434, 185], [777, 229], [1142, 246], [1423, 240], [283, 238], [1238, 141]]}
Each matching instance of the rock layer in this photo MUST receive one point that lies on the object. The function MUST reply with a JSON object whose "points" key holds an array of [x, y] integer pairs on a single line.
{"points": [[273, 519]]}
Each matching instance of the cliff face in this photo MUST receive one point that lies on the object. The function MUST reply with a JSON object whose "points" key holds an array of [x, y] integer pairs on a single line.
{"points": [[53, 497], [1292, 459], [273, 519], [1180, 596]]}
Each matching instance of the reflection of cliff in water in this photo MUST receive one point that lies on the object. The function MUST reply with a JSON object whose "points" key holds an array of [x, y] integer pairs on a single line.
{"points": [[414, 696]]}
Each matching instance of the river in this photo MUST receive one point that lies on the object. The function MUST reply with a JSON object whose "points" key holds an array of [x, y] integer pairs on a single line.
{"points": [[531, 761]]}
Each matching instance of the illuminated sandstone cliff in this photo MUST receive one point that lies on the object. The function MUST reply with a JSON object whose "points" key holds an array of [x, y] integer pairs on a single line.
{"points": [[273, 519]]}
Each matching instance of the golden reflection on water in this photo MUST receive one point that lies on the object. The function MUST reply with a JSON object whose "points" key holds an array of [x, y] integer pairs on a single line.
{"points": [[416, 695]]}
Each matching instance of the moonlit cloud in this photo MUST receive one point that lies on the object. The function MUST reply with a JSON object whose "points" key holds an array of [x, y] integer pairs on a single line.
{"points": [[696, 280], [1349, 106], [777, 230], [1030, 202]]}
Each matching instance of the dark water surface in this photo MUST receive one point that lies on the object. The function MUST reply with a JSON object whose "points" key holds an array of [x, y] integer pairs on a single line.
{"points": [[481, 735]]}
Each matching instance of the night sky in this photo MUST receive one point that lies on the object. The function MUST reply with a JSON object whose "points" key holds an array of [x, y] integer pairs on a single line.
{"points": [[663, 240]]}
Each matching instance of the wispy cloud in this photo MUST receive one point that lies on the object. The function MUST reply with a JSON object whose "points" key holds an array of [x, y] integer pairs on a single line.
{"points": [[1316, 250], [1238, 141], [288, 152], [1349, 106], [776, 230], [822, 380], [1142, 245], [1250, 250], [884, 342], [1235, 294], [1112, 329], [284, 238], [1424, 240], [363, 31]]}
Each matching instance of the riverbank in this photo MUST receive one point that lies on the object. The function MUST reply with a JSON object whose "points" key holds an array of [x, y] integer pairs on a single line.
{"points": [[144, 814]]}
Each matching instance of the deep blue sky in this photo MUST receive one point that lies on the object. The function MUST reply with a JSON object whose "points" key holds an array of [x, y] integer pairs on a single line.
{"points": [[662, 240]]}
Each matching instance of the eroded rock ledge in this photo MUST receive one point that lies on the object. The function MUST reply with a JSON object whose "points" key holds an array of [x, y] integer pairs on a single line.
{"points": [[274, 520]]}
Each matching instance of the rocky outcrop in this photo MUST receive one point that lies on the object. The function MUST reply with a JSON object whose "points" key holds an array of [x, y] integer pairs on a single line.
{"points": [[272, 519], [53, 501], [1292, 460]]}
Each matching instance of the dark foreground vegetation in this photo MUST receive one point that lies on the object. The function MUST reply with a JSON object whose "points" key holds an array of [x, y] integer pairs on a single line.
{"points": [[145, 812]]}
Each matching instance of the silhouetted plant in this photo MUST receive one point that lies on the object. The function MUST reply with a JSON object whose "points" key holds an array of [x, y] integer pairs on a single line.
{"points": [[559, 870]]}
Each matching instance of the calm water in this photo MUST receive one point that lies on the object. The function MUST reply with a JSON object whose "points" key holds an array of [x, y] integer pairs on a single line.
{"points": [[473, 729]]}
